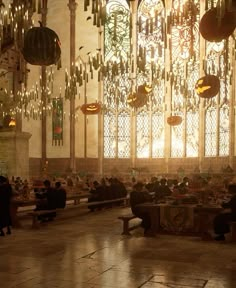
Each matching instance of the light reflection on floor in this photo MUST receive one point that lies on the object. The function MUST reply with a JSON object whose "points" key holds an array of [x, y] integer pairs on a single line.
{"points": [[86, 250]]}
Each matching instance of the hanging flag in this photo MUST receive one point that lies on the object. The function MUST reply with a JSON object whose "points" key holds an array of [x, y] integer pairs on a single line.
{"points": [[57, 121]]}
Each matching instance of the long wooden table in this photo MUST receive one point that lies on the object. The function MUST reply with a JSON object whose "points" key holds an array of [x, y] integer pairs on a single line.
{"points": [[204, 215], [18, 202]]}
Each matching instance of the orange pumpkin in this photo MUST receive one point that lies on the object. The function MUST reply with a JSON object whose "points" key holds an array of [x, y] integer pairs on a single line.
{"points": [[137, 100], [207, 86], [144, 89], [214, 29], [174, 120], [91, 109]]}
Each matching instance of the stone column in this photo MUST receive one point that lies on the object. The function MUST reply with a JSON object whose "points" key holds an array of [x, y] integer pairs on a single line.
{"points": [[44, 96], [72, 7]]}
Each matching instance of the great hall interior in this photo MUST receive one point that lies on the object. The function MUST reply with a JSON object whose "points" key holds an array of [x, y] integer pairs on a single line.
{"points": [[102, 93]]}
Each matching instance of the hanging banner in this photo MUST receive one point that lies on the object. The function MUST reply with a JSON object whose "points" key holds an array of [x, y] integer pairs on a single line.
{"points": [[57, 121]]}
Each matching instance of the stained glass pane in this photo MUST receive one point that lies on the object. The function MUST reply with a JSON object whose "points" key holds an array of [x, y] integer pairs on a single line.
{"points": [[124, 142], [184, 47], [116, 81], [109, 135], [142, 135], [218, 63], [158, 135], [224, 131], [192, 135], [211, 132], [177, 142]]}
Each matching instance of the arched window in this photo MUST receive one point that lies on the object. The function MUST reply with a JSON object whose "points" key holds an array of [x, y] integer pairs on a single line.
{"points": [[217, 62], [184, 53], [117, 122], [151, 71]]}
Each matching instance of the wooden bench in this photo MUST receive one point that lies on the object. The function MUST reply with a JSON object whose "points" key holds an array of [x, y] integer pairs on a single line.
{"points": [[126, 223], [35, 214], [233, 231]]}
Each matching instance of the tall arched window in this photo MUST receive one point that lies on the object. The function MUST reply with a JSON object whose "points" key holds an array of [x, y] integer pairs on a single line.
{"points": [[117, 123], [151, 70], [217, 109], [184, 53]]}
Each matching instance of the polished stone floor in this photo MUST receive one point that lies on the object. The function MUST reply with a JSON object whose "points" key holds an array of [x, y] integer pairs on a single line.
{"points": [[86, 250]]}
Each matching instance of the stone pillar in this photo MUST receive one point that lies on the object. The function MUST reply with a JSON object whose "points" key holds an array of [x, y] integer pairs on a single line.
{"points": [[72, 7], [14, 153]]}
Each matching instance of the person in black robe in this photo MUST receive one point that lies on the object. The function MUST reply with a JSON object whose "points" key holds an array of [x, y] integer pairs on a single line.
{"points": [[140, 196], [5, 202], [222, 220]]}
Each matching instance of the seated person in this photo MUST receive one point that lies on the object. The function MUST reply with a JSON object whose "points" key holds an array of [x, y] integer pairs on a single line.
{"points": [[140, 196], [162, 190], [221, 221], [183, 186], [47, 201], [60, 194]]}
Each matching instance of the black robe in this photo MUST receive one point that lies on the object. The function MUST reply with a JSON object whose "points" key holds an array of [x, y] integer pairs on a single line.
{"points": [[5, 202]]}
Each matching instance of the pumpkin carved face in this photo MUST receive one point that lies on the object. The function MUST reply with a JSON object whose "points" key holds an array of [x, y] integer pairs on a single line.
{"points": [[144, 89], [214, 29], [91, 109], [137, 100], [174, 120], [41, 46], [207, 86]]}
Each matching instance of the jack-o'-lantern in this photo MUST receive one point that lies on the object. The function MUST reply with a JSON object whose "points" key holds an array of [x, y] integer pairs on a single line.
{"points": [[215, 29], [174, 120], [137, 100], [91, 109], [207, 86], [12, 123], [41, 46], [144, 89]]}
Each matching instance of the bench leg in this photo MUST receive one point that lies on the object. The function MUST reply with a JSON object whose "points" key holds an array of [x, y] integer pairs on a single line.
{"points": [[35, 223], [125, 227], [233, 233]]}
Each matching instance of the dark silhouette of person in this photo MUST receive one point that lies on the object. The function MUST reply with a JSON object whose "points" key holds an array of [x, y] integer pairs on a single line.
{"points": [[140, 196], [222, 220], [5, 202], [48, 201], [60, 195], [162, 190]]}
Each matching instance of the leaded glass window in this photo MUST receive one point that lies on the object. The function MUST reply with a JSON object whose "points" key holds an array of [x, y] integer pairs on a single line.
{"points": [[217, 62], [142, 134], [184, 49], [211, 132], [151, 70], [116, 81]]}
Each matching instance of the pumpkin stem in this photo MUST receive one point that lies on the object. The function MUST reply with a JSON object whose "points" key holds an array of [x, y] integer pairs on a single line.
{"points": [[40, 23]]}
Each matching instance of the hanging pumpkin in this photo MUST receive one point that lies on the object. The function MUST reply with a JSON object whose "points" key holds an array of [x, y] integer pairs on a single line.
{"points": [[207, 86], [91, 109], [41, 46], [174, 120], [214, 29], [144, 89], [137, 100]]}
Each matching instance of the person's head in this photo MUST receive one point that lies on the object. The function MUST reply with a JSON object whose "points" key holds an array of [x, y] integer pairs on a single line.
{"points": [[138, 186], [3, 179], [232, 188], [47, 183], [58, 184], [163, 181]]}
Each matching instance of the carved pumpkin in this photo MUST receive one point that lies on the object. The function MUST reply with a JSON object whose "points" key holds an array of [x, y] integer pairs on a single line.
{"points": [[41, 46], [174, 120], [144, 89], [214, 29], [137, 100], [12, 123], [91, 109], [207, 86]]}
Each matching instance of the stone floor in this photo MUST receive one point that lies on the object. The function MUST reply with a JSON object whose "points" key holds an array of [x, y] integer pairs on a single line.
{"points": [[87, 250]]}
